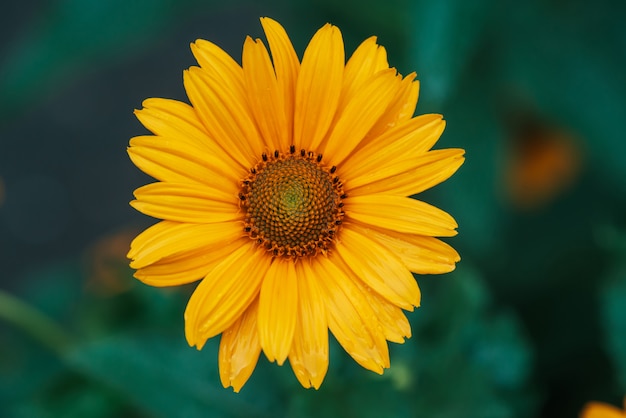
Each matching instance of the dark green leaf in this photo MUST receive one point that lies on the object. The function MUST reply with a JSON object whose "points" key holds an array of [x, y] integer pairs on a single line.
{"points": [[164, 377]]}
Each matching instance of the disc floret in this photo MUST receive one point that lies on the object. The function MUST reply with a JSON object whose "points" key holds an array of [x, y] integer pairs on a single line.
{"points": [[293, 203]]}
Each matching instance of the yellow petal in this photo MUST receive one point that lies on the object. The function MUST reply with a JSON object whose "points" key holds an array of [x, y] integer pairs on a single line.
{"points": [[401, 214], [264, 96], [410, 176], [171, 238], [226, 116], [350, 318], [170, 160], [225, 294], [368, 59], [171, 190], [287, 68], [216, 62], [188, 266], [420, 254], [360, 114], [278, 305], [401, 107], [173, 119], [378, 268], [186, 203], [239, 349], [407, 108], [409, 139], [394, 323], [149, 234], [318, 87], [309, 351], [179, 123]]}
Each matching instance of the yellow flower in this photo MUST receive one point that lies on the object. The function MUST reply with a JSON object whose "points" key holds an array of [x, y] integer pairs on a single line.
{"points": [[602, 410], [284, 188]]}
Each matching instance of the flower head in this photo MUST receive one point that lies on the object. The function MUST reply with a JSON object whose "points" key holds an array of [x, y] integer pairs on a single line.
{"points": [[283, 187]]}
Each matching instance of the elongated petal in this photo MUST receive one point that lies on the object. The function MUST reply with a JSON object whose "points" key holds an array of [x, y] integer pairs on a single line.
{"points": [[360, 114], [178, 123], [350, 318], [171, 238], [406, 140], [394, 323], [368, 59], [240, 349], [318, 87], [216, 62], [186, 203], [224, 294], [309, 351], [287, 67], [420, 254], [169, 160], [278, 307], [407, 107], [149, 234], [169, 190], [412, 176], [378, 268], [401, 214], [400, 109], [225, 115], [173, 119], [264, 95], [188, 266]]}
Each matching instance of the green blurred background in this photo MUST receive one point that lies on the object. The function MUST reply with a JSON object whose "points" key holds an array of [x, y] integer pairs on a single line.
{"points": [[531, 324]]}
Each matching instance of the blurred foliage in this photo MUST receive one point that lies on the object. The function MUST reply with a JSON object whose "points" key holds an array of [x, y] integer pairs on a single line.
{"points": [[613, 298], [68, 36], [532, 324]]}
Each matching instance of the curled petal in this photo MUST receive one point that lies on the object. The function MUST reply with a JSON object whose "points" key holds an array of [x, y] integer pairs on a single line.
{"points": [[240, 349], [309, 351], [350, 318]]}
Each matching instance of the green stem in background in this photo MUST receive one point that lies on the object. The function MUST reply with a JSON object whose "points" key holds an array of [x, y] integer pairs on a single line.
{"points": [[33, 322]]}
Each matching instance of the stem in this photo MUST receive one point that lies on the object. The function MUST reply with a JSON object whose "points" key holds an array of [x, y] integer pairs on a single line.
{"points": [[33, 322]]}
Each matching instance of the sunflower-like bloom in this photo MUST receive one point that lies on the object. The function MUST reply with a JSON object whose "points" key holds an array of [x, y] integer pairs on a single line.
{"points": [[602, 410], [284, 188]]}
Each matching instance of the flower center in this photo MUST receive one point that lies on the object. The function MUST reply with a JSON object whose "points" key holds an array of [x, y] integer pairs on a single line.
{"points": [[293, 204]]}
